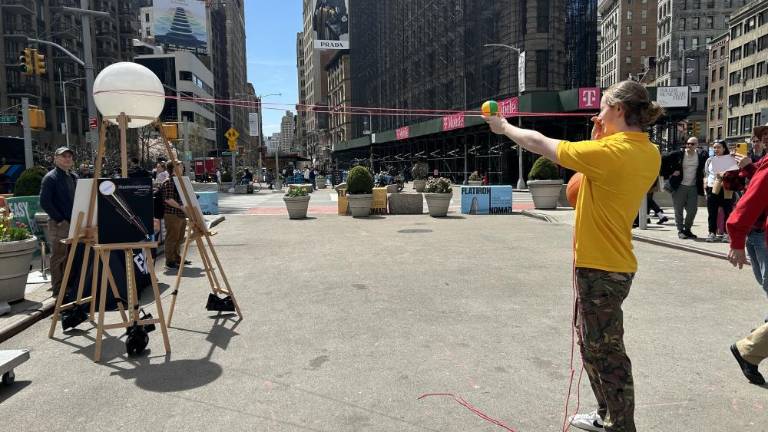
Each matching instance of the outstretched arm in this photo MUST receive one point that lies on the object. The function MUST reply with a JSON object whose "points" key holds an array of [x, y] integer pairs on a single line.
{"points": [[531, 140]]}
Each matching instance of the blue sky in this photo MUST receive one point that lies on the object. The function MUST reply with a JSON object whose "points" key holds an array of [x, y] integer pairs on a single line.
{"points": [[270, 32]]}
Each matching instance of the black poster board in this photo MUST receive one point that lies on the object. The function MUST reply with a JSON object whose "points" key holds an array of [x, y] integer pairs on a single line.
{"points": [[125, 210]]}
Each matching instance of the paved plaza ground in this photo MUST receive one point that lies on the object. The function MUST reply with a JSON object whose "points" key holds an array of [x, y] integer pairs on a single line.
{"points": [[347, 322]]}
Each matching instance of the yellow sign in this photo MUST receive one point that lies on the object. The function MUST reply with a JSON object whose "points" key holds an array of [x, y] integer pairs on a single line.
{"points": [[379, 204], [232, 134], [741, 148], [232, 145]]}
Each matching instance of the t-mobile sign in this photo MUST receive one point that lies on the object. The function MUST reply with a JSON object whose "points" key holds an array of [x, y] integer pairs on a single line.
{"points": [[589, 98], [403, 133], [509, 107], [453, 121]]}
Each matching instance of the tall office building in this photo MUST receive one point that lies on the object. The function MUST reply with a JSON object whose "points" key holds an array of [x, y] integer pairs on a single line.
{"points": [[287, 128], [628, 41], [110, 42], [717, 102]]}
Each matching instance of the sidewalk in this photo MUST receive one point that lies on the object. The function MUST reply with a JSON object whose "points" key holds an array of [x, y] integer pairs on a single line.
{"points": [[36, 305], [662, 235]]}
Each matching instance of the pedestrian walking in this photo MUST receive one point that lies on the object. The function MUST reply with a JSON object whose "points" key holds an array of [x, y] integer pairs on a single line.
{"points": [[717, 195], [747, 224], [618, 164], [57, 196], [685, 170]]}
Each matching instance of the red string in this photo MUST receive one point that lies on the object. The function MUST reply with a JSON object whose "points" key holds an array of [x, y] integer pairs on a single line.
{"points": [[470, 407]]}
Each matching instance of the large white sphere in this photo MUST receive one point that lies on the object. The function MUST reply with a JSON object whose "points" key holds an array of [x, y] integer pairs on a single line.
{"points": [[130, 88]]}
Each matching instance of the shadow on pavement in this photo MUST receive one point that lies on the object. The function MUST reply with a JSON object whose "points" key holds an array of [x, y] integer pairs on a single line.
{"points": [[7, 392]]}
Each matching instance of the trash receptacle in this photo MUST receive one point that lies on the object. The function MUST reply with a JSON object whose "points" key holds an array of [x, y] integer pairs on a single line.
{"points": [[343, 202]]}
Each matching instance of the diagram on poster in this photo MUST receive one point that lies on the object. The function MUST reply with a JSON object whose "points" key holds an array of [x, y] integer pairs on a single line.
{"points": [[125, 210]]}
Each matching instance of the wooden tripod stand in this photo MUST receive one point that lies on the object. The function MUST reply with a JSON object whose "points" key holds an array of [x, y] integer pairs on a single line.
{"points": [[197, 231], [88, 236]]}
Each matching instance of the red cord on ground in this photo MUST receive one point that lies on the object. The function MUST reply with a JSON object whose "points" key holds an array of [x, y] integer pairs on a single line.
{"points": [[470, 407]]}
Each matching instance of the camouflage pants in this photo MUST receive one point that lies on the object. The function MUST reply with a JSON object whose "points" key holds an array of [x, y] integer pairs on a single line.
{"points": [[601, 339]]}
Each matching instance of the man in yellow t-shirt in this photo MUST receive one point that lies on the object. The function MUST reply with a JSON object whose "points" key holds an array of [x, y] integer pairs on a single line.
{"points": [[619, 165]]}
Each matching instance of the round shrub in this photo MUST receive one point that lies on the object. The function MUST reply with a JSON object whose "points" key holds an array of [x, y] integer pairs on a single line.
{"points": [[29, 181], [544, 169], [359, 181]]}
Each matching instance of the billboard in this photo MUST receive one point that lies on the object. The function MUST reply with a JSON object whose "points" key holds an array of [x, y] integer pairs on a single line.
{"points": [[181, 24], [330, 24]]}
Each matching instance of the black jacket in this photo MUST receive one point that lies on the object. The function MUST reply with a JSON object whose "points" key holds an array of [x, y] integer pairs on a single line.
{"points": [[57, 194], [673, 161]]}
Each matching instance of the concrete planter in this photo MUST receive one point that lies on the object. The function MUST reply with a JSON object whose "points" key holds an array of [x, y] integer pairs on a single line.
{"points": [[419, 185], [562, 200], [360, 204], [545, 193], [475, 182], [15, 258], [297, 206], [392, 188], [406, 203], [438, 203], [320, 182]]}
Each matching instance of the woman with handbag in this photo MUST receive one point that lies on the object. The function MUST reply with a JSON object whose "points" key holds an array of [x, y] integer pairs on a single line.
{"points": [[718, 196]]}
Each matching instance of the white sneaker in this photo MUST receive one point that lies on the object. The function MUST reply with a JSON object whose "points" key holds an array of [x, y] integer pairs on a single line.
{"points": [[587, 422], [711, 238], [726, 238]]}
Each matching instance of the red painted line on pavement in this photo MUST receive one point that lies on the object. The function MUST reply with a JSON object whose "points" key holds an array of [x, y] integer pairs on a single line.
{"points": [[333, 209]]}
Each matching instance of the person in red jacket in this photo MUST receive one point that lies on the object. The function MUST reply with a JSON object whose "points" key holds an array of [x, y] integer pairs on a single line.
{"points": [[751, 209]]}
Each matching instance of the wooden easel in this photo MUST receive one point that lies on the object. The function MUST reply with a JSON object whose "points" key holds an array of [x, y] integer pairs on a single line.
{"points": [[197, 231], [88, 235]]}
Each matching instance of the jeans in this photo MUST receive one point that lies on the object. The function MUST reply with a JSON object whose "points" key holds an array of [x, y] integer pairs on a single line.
{"points": [[714, 202], [685, 197], [58, 231], [758, 255]]}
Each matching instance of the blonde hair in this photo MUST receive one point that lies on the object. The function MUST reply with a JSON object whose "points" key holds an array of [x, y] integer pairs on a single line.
{"points": [[639, 110]]}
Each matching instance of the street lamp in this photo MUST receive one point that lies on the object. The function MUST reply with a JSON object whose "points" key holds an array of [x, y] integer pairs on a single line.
{"points": [[520, 178], [369, 132], [64, 94]]}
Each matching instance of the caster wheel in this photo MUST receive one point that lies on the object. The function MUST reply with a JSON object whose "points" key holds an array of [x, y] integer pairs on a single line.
{"points": [[9, 377]]}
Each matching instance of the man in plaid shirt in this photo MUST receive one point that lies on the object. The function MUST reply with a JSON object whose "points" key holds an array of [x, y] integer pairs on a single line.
{"points": [[175, 219]]}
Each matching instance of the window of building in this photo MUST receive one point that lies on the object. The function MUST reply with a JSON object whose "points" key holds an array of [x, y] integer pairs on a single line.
{"points": [[719, 132], [748, 73], [735, 54], [628, 60], [644, 13], [714, 78], [629, 31], [710, 22], [749, 25], [719, 113], [735, 31], [735, 78], [733, 126], [146, 17], [629, 15], [695, 24], [149, 31], [722, 73], [759, 69], [720, 93], [746, 124], [747, 98], [644, 29], [542, 68], [694, 42], [642, 43], [733, 101], [749, 48], [713, 95], [542, 16], [681, 44], [681, 24], [712, 114]]}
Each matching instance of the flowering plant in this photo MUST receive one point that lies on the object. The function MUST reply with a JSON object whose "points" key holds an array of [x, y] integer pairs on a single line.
{"points": [[12, 231], [438, 185]]}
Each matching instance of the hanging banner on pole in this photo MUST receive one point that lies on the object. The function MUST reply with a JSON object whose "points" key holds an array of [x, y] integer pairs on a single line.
{"points": [[253, 124], [521, 71]]}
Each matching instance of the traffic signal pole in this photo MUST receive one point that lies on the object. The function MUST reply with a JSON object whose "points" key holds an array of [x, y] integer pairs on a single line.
{"points": [[28, 161]]}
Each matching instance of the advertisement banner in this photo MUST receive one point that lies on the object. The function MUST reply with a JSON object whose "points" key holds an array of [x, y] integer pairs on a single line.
{"points": [[24, 209], [509, 107], [453, 121], [181, 24], [253, 124], [330, 23], [125, 210], [403, 133], [521, 72], [485, 200]]}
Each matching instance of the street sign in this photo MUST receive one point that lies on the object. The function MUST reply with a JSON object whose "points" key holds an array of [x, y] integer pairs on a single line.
{"points": [[8, 119], [226, 153], [93, 123], [232, 134]]}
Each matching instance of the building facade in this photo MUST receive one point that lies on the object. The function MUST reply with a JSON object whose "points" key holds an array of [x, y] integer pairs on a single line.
{"points": [[287, 128], [748, 73], [340, 101], [717, 102], [582, 42], [228, 59], [315, 88], [628, 41], [190, 83], [301, 113], [110, 42]]}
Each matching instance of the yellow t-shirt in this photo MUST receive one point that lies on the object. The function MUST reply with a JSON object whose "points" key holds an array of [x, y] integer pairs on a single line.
{"points": [[618, 171]]}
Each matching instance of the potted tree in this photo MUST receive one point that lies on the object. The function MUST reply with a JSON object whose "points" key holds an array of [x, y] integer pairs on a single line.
{"points": [[475, 179], [438, 193], [17, 246], [297, 202], [419, 172], [360, 191], [545, 183]]}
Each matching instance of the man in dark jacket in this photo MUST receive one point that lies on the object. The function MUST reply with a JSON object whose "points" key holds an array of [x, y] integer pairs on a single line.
{"points": [[57, 194], [685, 171]]}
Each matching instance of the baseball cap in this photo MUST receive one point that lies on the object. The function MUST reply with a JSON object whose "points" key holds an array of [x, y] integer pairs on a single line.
{"points": [[62, 150]]}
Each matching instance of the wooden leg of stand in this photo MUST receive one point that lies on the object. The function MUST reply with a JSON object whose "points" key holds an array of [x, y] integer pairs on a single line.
{"points": [[119, 300], [158, 300], [130, 286], [210, 270], [223, 275], [178, 276], [94, 284], [83, 268], [102, 304], [65, 279]]}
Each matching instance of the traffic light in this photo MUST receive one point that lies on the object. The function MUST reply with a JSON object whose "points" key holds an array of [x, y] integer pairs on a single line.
{"points": [[689, 126], [696, 129], [26, 62], [36, 118], [39, 62]]}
